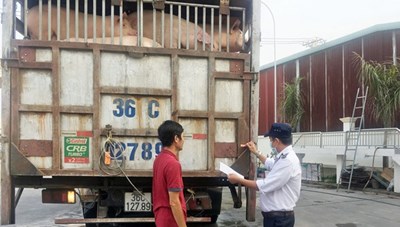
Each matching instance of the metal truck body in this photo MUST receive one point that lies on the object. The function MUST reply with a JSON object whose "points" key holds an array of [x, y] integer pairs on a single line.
{"points": [[84, 116]]}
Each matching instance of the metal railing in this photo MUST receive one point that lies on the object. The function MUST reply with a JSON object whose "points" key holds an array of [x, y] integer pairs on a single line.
{"points": [[389, 137]]}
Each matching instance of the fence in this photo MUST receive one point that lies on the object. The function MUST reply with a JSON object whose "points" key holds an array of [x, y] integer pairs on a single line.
{"points": [[389, 137]]}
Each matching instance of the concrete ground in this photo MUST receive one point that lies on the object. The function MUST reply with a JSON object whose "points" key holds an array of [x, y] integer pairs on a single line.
{"points": [[317, 207], [326, 207]]}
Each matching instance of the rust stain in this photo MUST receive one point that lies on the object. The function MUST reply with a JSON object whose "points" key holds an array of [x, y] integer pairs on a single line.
{"points": [[236, 66], [84, 133], [197, 128], [199, 136], [36, 148], [82, 122], [42, 125], [27, 54], [225, 150]]}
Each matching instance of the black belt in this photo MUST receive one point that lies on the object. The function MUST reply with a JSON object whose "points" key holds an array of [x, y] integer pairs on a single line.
{"points": [[272, 214]]}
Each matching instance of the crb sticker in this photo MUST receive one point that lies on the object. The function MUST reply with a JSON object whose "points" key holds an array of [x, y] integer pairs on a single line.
{"points": [[76, 149]]}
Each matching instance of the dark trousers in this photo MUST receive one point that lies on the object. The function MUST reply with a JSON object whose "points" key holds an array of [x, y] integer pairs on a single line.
{"points": [[278, 219]]}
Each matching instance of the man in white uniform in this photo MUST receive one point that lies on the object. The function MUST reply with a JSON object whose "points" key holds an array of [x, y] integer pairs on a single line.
{"points": [[280, 189]]}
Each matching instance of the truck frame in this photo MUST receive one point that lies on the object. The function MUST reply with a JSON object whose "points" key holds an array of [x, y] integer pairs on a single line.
{"points": [[83, 117]]}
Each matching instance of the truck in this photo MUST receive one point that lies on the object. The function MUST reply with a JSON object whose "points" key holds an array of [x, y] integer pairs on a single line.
{"points": [[80, 113]]}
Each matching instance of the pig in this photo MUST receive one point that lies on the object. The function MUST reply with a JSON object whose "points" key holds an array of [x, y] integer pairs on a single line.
{"points": [[200, 37], [236, 39], [126, 41], [33, 24]]}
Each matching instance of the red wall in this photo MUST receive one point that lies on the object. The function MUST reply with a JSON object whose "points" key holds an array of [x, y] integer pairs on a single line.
{"points": [[330, 82]]}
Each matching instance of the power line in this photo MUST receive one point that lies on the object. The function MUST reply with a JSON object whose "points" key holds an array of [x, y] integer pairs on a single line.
{"points": [[308, 42]]}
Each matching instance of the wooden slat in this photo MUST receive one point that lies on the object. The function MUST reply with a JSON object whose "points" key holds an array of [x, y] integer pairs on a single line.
{"points": [[233, 76], [76, 109], [130, 173], [56, 109], [175, 73], [130, 132], [96, 108], [135, 91], [35, 108], [29, 65], [211, 115]]}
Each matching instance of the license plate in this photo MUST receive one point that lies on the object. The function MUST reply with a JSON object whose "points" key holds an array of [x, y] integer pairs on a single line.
{"points": [[134, 202]]}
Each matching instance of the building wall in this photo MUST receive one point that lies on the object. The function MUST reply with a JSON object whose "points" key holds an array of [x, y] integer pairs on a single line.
{"points": [[330, 81]]}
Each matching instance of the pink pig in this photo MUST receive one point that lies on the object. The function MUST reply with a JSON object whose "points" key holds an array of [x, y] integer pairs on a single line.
{"points": [[33, 24], [236, 39], [126, 41], [199, 37]]}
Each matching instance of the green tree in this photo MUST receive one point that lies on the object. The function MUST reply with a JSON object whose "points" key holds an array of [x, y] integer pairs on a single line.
{"points": [[383, 81], [292, 103]]}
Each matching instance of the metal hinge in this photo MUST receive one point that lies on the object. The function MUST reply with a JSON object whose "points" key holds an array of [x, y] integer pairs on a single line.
{"points": [[159, 4], [224, 7], [253, 75], [6, 63]]}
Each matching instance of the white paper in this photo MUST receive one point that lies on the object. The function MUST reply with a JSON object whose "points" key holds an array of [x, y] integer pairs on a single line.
{"points": [[228, 170]]}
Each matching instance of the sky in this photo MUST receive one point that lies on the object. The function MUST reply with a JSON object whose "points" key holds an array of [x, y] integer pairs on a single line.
{"points": [[297, 21]]}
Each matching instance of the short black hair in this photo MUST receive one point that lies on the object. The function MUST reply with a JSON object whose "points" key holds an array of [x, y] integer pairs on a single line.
{"points": [[167, 132]]}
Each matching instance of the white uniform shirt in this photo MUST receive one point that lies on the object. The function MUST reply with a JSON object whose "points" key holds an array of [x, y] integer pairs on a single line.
{"points": [[280, 189]]}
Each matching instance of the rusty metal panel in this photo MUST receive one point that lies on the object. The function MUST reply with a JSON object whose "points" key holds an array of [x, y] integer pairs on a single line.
{"points": [[192, 84], [289, 75], [37, 126], [334, 88], [236, 66], [195, 152], [225, 150], [20, 165], [373, 47], [279, 90], [397, 43], [222, 65], [340, 91], [76, 76], [134, 97], [228, 96], [34, 84], [304, 71], [38, 148], [225, 138], [43, 55], [150, 71], [27, 54], [318, 90], [387, 46], [266, 103], [289, 72], [351, 82], [76, 122], [377, 47]]}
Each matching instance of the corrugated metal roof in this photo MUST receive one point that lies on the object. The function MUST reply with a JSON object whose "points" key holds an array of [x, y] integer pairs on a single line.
{"points": [[364, 32]]}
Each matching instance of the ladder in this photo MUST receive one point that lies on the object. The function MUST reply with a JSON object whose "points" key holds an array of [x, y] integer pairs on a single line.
{"points": [[353, 136]]}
